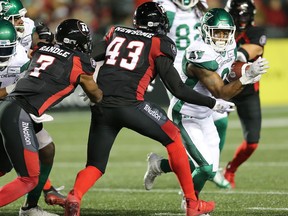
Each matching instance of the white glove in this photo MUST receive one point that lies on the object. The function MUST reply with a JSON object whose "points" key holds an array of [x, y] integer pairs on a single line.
{"points": [[150, 87], [222, 106], [249, 80], [43, 118], [258, 67], [10, 88], [84, 97]]}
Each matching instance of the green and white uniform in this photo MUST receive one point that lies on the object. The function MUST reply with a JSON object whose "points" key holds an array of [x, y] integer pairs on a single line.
{"points": [[195, 122], [183, 28], [16, 66], [26, 38]]}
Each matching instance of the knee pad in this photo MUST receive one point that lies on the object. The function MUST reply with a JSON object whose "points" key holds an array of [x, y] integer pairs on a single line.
{"points": [[206, 171], [43, 138]]}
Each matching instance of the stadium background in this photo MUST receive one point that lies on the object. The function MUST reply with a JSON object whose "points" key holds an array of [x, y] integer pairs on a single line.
{"points": [[101, 14]]}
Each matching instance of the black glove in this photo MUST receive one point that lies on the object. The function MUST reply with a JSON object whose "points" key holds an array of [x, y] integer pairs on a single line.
{"points": [[44, 33]]}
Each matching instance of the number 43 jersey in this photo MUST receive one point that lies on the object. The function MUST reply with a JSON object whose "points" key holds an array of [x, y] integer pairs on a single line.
{"points": [[53, 74], [129, 64]]}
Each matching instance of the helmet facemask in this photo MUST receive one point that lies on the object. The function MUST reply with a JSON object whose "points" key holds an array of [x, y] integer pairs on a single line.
{"points": [[243, 12], [219, 37], [8, 40], [14, 11], [185, 4]]}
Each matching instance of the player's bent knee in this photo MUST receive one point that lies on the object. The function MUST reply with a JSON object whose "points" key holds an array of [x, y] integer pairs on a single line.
{"points": [[30, 182], [43, 138], [46, 154]]}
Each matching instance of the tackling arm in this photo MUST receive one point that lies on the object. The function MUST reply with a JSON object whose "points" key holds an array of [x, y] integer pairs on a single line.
{"points": [[248, 52]]}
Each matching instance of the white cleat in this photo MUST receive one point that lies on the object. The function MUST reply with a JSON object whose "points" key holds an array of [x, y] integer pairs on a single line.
{"points": [[220, 180], [36, 211], [153, 170]]}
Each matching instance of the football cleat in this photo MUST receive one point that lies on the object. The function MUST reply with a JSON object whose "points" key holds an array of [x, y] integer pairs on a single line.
{"points": [[229, 176], [220, 180], [36, 211], [198, 207], [54, 197], [153, 170], [72, 205]]}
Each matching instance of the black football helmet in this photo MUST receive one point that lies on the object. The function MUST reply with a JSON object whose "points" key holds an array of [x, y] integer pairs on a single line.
{"points": [[151, 17], [74, 34], [243, 12]]}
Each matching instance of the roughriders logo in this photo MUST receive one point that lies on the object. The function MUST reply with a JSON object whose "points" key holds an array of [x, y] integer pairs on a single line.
{"points": [[154, 113], [26, 134]]}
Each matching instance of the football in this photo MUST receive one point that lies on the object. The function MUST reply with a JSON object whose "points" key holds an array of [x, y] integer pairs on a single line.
{"points": [[237, 69]]}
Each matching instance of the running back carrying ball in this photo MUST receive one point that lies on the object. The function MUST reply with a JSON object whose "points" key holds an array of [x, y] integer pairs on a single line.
{"points": [[237, 70]]}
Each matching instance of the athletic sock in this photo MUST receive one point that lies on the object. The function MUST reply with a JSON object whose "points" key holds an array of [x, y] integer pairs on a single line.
{"points": [[165, 166], [221, 125], [243, 152], [85, 180], [180, 165], [16, 189], [34, 195], [47, 185]]}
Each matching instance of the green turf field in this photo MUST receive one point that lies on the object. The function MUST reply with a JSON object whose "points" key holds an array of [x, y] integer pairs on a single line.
{"points": [[262, 182]]}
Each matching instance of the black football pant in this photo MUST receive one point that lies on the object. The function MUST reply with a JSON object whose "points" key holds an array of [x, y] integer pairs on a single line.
{"points": [[106, 122]]}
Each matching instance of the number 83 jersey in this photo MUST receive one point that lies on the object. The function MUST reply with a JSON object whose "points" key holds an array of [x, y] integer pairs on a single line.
{"points": [[129, 64]]}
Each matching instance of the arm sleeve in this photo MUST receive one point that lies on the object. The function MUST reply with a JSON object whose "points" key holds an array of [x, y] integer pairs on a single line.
{"points": [[174, 84]]}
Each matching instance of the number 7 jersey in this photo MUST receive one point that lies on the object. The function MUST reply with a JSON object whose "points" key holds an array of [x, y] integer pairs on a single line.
{"points": [[53, 74], [129, 64]]}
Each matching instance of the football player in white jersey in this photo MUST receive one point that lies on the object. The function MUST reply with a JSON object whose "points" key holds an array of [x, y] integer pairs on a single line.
{"points": [[184, 20], [14, 11], [206, 63]]}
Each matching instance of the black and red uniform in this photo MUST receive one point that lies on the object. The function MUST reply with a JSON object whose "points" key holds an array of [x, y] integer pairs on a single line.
{"points": [[53, 74], [248, 101], [133, 58]]}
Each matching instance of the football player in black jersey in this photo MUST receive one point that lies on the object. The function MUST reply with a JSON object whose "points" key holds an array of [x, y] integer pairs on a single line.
{"points": [[132, 58], [250, 40], [53, 74]]}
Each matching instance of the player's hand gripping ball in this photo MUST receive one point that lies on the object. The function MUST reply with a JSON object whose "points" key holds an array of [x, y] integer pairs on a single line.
{"points": [[237, 70]]}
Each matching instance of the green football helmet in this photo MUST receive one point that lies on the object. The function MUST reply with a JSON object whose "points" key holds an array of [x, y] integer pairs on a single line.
{"points": [[218, 29], [12, 10], [185, 4], [8, 38]]}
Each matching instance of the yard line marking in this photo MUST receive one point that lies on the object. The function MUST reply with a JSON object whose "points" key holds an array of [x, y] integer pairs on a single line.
{"points": [[125, 190], [128, 164], [265, 209], [266, 123], [168, 213]]}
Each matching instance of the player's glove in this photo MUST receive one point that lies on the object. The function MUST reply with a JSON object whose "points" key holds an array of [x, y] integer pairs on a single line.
{"points": [[44, 33], [223, 106], [85, 98], [245, 80], [150, 87], [43, 118], [258, 67]]}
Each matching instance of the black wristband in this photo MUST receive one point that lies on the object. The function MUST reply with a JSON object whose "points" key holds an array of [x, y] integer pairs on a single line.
{"points": [[245, 53]]}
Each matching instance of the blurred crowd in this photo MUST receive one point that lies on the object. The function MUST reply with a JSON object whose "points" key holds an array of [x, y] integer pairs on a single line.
{"points": [[101, 14]]}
